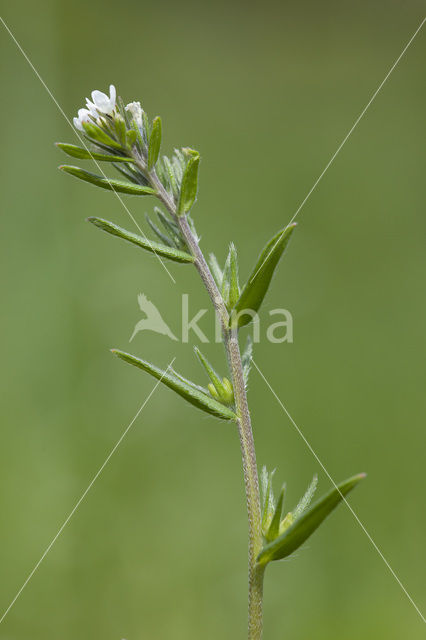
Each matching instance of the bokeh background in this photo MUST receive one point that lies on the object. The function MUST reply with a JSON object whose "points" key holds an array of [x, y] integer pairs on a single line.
{"points": [[266, 91]]}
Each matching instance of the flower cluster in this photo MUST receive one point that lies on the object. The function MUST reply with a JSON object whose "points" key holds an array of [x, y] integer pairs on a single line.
{"points": [[123, 134], [101, 104]]}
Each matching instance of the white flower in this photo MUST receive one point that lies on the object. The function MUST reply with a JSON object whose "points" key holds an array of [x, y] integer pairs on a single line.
{"points": [[83, 116], [135, 109], [101, 102]]}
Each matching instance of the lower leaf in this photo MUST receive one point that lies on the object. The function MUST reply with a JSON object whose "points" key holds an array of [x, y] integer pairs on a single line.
{"points": [[295, 535]]}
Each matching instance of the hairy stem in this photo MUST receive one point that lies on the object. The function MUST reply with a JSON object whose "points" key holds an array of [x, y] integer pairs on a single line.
{"points": [[230, 336]]}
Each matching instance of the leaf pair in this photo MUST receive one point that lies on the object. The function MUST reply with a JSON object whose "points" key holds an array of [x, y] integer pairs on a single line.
{"points": [[171, 234], [194, 394], [283, 537]]}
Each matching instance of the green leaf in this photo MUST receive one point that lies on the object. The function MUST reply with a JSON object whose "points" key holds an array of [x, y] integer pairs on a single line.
{"points": [[274, 527], [154, 247], [234, 286], [268, 498], [226, 277], [170, 175], [187, 391], [171, 228], [154, 143], [106, 183], [131, 137], [162, 236], [96, 133], [120, 129], [215, 269], [210, 371], [188, 190], [222, 389], [306, 500], [146, 128], [84, 154], [301, 529], [257, 285]]}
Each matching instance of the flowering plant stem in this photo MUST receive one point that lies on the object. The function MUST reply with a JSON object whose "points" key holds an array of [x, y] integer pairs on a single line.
{"points": [[122, 135], [248, 452]]}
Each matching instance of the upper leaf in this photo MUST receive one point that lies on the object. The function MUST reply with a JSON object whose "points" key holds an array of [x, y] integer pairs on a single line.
{"points": [[154, 143], [274, 526], [304, 526], [188, 190], [257, 285], [106, 183], [222, 389], [85, 154], [216, 270], [230, 283], [188, 391], [155, 247], [100, 135], [268, 504]]}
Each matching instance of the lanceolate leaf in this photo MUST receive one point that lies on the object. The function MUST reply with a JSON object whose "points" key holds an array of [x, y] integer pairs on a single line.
{"points": [[234, 286], [106, 183], [305, 501], [154, 247], [257, 285], [84, 154], [154, 142], [99, 135], [188, 391], [302, 528], [268, 498], [226, 284], [217, 382], [162, 236], [188, 190], [216, 270], [276, 518]]}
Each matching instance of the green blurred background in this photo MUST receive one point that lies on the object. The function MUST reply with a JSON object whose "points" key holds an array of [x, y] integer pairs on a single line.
{"points": [[266, 91]]}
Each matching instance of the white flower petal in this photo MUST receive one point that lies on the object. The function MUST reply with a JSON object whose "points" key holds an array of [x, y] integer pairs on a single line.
{"points": [[77, 124], [113, 95], [91, 108], [83, 114], [102, 102], [99, 98]]}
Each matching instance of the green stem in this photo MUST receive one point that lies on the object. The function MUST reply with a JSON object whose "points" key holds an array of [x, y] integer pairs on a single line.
{"points": [[248, 453], [255, 607]]}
